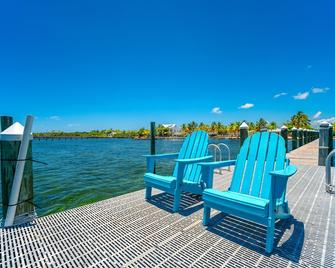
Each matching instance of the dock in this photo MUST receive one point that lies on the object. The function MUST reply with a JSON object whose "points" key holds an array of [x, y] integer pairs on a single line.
{"points": [[305, 155], [127, 231]]}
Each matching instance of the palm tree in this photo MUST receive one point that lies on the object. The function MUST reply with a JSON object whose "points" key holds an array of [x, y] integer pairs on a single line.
{"points": [[192, 126], [260, 124], [272, 125], [300, 120]]}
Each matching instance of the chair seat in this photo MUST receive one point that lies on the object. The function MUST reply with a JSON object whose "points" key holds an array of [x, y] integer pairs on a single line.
{"points": [[234, 201], [161, 182]]}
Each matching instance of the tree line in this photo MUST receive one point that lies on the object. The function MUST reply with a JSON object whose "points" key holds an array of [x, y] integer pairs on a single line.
{"points": [[299, 120]]}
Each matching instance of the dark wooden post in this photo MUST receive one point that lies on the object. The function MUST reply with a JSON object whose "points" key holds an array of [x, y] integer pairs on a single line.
{"points": [[153, 140], [294, 138], [301, 137], [6, 121], [324, 142], [9, 150], [330, 144], [308, 135], [243, 132], [284, 134]]}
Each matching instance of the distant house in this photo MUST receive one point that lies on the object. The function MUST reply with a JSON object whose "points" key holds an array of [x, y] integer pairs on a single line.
{"points": [[175, 130]]}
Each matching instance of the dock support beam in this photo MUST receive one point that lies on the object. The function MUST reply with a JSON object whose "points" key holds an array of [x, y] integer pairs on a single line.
{"points": [[284, 134], [243, 132], [325, 142]]}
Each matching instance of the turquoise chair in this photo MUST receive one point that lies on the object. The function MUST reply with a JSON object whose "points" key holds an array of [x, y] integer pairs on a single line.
{"points": [[186, 175], [258, 186]]}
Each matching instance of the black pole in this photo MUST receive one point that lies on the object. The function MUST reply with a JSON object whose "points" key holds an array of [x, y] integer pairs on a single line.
{"points": [[153, 140]]}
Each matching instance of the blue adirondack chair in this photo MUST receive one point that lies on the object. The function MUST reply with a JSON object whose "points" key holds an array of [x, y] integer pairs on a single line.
{"points": [[186, 175], [258, 186]]}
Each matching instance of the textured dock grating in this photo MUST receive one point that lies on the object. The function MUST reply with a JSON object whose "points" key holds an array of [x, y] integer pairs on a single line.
{"points": [[126, 231]]}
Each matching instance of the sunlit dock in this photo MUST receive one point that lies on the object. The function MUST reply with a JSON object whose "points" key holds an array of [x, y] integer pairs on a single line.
{"points": [[128, 231]]}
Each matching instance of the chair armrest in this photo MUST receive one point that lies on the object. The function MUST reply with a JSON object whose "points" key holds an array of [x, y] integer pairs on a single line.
{"points": [[182, 163], [161, 156], [152, 158], [207, 170], [219, 164], [287, 172], [279, 180], [194, 160]]}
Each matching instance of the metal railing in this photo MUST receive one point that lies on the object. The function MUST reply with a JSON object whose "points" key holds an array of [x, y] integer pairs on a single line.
{"points": [[217, 152]]}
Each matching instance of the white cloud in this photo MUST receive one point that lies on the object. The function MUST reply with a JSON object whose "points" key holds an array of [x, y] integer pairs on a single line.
{"points": [[317, 123], [54, 117], [301, 96], [317, 115], [216, 110], [317, 90], [280, 95], [246, 106]]}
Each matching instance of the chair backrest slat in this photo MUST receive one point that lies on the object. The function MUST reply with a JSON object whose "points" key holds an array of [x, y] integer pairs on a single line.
{"points": [[193, 171], [240, 166], [259, 169], [194, 146], [260, 154], [250, 165], [270, 163]]}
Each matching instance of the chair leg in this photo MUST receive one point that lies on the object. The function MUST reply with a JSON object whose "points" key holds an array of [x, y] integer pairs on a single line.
{"points": [[207, 215], [270, 235], [176, 202], [148, 191]]}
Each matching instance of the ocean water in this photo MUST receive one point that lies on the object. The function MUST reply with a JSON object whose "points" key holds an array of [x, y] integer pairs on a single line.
{"points": [[83, 171]]}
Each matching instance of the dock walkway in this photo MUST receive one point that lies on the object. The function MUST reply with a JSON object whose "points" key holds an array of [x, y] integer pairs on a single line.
{"points": [[127, 231], [305, 155]]}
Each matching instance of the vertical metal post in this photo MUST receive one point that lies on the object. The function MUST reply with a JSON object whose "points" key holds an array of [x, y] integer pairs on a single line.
{"points": [[284, 134], [243, 132], [294, 138], [324, 142]]}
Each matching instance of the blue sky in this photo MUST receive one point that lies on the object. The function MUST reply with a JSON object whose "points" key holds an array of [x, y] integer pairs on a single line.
{"points": [[81, 65]]}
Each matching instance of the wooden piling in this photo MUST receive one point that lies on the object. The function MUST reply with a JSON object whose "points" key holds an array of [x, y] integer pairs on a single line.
{"points": [[153, 140], [243, 132], [9, 150], [325, 142], [294, 138], [284, 134]]}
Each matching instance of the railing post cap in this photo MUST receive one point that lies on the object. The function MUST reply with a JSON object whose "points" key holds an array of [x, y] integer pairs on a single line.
{"points": [[324, 124], [244, 125], [283, 127]]}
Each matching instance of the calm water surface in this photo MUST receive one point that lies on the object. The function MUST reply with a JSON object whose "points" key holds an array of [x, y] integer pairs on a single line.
{"points": [[82, 171]]}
